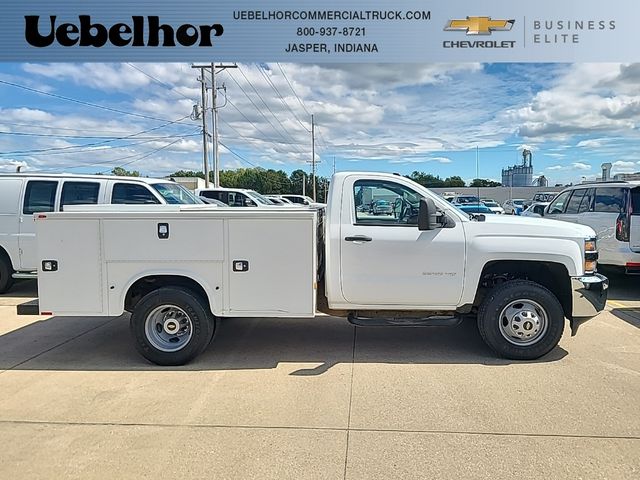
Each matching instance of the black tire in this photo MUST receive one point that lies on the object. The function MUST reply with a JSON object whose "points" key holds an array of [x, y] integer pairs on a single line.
{"points": [[6, 270], [196, 309], [499, 299]]}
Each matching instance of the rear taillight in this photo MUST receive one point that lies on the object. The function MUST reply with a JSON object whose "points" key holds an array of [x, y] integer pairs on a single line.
{"points": [[623, 228]]}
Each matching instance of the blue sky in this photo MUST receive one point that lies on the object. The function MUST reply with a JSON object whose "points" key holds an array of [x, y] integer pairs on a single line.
{"points": [[395, 118]]}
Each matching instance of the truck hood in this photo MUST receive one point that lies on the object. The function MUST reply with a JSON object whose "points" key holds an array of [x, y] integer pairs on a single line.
{"points": [[533, 227]]}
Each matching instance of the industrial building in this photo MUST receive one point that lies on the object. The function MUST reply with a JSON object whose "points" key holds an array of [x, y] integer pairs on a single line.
{"points": [[519, 175]]}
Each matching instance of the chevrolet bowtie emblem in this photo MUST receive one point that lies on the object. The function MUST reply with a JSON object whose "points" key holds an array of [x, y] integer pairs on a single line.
{"points": [[479, 25]]}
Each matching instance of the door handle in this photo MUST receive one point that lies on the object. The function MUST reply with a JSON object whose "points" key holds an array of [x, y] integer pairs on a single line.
{"points": [[358, 238]]}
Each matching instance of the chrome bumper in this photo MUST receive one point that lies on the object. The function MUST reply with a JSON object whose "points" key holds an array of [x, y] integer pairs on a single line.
{"points": [[589, 296]]}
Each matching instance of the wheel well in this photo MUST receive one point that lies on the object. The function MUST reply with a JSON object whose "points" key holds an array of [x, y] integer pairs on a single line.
{"points": [[553, 276], [5, 254], [150, 283]]}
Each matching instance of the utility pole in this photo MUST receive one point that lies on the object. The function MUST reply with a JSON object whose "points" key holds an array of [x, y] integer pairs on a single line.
{"points": [[214, 127], [205, 155], [313, 157], [334, 164], [304, 184], [214, 118]]}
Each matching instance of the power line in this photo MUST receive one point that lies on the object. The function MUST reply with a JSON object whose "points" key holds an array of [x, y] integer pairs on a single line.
{"points": [[257, 108], [286, 105], [93, 150], [291, 138], [105, 162], [147, 154], [292, 89], [170, 86], [82, 102], [91, 144]]}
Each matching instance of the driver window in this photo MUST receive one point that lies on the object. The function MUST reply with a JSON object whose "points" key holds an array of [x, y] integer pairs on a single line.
{"points": [[380, 202]]}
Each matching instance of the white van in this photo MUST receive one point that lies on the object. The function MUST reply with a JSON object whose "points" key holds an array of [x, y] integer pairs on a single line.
{"points": [[23, 194], [612, 209]]}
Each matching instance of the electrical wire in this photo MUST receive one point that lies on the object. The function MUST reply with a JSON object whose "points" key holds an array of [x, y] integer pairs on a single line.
{"points": [[170, 86], [91, 144], [81, 102], [282, 100], [292, 89]]}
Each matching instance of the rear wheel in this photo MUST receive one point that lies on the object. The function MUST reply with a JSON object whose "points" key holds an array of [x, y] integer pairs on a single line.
{"points": [[172, 326], [521, 320], [6, 270]]}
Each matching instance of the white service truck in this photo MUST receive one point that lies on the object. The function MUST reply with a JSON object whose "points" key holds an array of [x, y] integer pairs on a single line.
{"points": [[179, 269]]}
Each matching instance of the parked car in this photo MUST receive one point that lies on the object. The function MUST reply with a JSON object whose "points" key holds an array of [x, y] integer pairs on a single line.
{"points": [[236, 197], [302, 200], [381, 207], [213, 201], [465, 199], [476, 209], [536, 209], [23, 194], [493, 206], [514, 206], [448, 196], [612, 209], [543, 197], [279, 199]]}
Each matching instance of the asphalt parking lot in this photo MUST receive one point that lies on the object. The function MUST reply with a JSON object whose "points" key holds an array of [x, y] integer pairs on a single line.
{"points": [[318, 399]]}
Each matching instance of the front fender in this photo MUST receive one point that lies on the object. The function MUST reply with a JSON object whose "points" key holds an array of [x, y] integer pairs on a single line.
{"points": [[485, 249]]}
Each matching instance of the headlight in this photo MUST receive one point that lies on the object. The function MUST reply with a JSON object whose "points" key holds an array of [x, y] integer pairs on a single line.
{"points": [[590, 255]]}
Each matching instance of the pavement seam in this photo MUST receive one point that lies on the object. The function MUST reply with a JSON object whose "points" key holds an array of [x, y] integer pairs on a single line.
{"points": [[353, 362], [320, 429], [58, 345]]}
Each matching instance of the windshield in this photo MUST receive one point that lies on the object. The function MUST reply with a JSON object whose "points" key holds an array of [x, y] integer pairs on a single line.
{"points": [[491, 204], [260, 198], [518, 202], [175, 194]]}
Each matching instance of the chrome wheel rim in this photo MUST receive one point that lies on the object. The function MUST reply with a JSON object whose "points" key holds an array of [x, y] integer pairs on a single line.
{"points": [[523, 322], [168, 328]]}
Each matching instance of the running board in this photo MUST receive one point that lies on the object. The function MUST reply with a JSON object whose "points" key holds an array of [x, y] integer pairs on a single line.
{"points": [[436, 321], [29, 275]]}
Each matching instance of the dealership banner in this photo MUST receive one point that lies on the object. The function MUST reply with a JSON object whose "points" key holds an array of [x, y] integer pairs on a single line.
{"points": [[325, 31]]}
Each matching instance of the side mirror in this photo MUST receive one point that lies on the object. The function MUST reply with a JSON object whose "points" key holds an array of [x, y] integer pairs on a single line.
{"points": [[427, 215]]}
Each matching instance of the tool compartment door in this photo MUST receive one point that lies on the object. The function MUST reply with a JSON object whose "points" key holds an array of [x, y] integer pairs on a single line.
{"points": [[74, 286], [271, 267]]}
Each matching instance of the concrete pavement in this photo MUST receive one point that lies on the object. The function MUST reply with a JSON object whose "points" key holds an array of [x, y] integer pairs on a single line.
{"points": [[317, 398]]}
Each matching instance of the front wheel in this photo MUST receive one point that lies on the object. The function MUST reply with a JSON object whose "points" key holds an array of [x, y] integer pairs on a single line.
{"points": [[172, 326], [521, 320]]}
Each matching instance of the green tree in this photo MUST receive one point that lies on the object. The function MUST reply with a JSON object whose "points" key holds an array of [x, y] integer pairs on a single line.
{"points": [[454, 181], [426, 179], [121, 172], [483, 182], [187, 173]]}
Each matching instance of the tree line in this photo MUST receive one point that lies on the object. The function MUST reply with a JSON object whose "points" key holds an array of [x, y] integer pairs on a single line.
{"points": [[298, 182]]}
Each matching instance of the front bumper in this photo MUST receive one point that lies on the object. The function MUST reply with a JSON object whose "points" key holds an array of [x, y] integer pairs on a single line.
{"points": [[589, 296]]}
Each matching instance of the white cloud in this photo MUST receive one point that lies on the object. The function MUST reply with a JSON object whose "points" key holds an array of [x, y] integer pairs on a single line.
{"points": [[592, 143], [588, 98], [575, 166]]}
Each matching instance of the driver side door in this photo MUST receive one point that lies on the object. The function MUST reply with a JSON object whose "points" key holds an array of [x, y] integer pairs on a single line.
{"points": [[386, 260]]}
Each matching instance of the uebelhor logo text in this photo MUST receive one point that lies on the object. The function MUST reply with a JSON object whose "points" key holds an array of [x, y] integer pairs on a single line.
{"points": [[120, 34]]}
